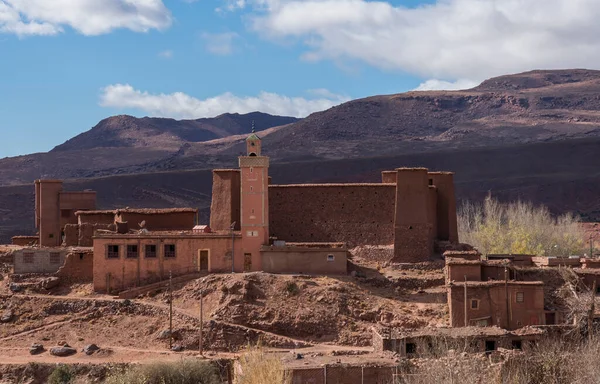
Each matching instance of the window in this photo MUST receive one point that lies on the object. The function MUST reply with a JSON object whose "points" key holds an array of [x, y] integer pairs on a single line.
{"points": [[27, 257], [411, 348], [520, 297], [65, 213], [132, 251], [474, 304], [430, 181], [517, 344], [251, 170], [252, 233], [330, 258], [54, 257], [150, 251], [112, 252], [490, 345], [251, 188], [169, 250]]}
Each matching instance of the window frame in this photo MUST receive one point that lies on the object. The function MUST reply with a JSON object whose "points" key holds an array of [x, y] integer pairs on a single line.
{"points": [[153, 253], [520, 295], [110, 252], [130, 254], [28, 257], [330, 258], [168, 254], [476, 302]]}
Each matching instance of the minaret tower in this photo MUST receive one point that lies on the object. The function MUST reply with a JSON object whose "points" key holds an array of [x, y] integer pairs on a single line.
{"points": [[254, 195]]}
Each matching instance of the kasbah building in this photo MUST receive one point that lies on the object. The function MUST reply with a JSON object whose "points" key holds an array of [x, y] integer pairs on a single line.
{"points": [[283, 229]]}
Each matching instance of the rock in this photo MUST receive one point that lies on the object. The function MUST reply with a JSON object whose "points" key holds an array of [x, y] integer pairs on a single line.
{"points": [[166, 334], [50, 282], [15, 287], [6, 316], [62, 351], [63, 343], [36, 349], [177, 348], [90, 349]]}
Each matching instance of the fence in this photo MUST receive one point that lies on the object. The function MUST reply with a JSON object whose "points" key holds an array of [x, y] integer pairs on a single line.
{"points": [[344, 374]]}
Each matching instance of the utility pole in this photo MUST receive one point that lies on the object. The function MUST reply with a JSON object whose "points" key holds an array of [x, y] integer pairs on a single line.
{"points": [[591, 315], [170, 309], [232, 246], [466, 305], [508, 317], [201, 325]]}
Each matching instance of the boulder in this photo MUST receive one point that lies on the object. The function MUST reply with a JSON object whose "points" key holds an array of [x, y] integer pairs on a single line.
{"points": [[62, 351], [36, 349], [166, 334], [90, 349], [50, 282], [6, 316]]}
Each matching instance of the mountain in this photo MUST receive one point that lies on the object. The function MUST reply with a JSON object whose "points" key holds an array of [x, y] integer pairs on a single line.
{"points": [[129, 131], [534, 136]]}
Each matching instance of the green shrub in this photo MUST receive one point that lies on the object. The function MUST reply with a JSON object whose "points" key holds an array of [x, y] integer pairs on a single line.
{"points": [[292, 288], [185, 371], [519, 228], [61, 375]]}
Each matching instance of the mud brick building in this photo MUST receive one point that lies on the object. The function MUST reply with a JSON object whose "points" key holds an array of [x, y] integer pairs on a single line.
{"points": [[254, 225]]}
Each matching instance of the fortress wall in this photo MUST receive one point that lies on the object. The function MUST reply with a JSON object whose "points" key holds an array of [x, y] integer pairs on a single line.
{"points": [[354, 213], [225, 205], [447, 227]]}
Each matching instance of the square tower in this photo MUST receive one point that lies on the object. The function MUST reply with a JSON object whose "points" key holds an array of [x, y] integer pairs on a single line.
{"points": [[254, 203]]}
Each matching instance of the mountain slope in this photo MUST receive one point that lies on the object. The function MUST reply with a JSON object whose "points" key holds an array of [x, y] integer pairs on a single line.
{"points": [[159, 133]]}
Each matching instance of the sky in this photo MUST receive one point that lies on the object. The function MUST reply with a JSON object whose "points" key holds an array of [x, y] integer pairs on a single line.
{"points": [[67, 64]]}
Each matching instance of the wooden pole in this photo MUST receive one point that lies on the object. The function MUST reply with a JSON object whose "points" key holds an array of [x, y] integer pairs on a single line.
{"points": [[592, 310], [508, 317], [466, 304], [170, 309], [201, 326]]}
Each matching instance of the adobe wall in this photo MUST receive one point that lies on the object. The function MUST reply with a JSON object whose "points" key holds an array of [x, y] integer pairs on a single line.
{"points": [[432, 213], [493, 304], [299, 260], [71, 202], [41, 261], [388, 177], [159, 221], [78, 267], [71, 232], [457, 272], [124, 273], [342, 373], [225, 204], [24, 241], [494, 272], [354, 213], [86, 233], [412, 227], [97, 218], [447, 224], [49, 212]]}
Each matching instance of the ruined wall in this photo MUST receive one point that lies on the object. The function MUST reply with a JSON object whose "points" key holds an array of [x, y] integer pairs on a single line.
{"points": [[87, 231], [105, 217], [354, 213], [38, 260], [71, 233], [24, 240], [159, 221], [412, 227], [304, 260], [342, 373], [78, 267], [225, 204]]}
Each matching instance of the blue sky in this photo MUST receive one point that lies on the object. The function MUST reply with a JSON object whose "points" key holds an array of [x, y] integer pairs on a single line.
{"points": [[66, 64]]}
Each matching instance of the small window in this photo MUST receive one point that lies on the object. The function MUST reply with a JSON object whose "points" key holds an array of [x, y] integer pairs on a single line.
{"points": [[251, 170], [51, 236], [251, 188], [132, 251], [169, 251], [27, 257], [474, 304], [54, 257], [112, 252], [520, 297], [252, 211], [430, 181], [411, 348], [150, 251], [490, 345], [330, 258]]}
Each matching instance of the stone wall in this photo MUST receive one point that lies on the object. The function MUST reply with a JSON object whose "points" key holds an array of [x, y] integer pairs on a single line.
{"points": [[354, 213], [78, 267], [38, 260]]}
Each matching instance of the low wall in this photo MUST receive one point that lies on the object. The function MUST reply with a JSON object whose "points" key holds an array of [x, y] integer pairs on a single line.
{"points": [[78, 267], [342, 374], [555, 262], [304, 260]]}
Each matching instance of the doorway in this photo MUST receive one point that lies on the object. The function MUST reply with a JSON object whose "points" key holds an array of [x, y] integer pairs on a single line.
{"points": [[203, 260], [247, 262]]}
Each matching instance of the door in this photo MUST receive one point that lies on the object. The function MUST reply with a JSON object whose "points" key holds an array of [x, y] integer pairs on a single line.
{"points": [[247, 262], [203, 260]]}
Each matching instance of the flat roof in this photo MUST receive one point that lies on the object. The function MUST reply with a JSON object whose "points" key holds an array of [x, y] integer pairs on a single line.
{"points": [[187, 234]]}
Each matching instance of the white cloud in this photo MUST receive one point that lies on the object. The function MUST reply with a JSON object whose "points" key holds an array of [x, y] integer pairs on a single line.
{"points": [[180, 105], [166, 54], [89, 17], [450, 39], [439, 85], [221, 44]]}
